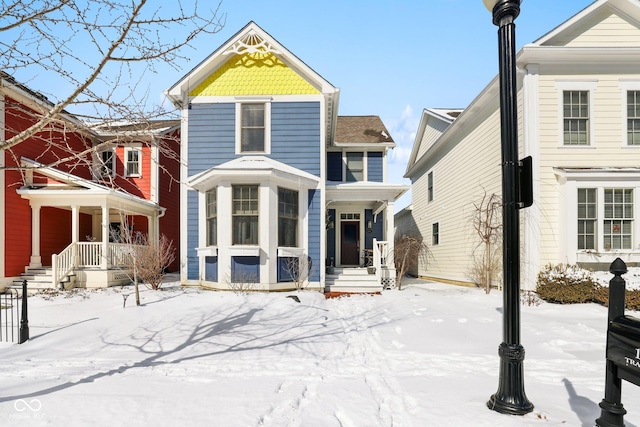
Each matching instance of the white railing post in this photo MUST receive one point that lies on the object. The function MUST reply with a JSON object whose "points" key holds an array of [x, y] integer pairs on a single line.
{"points": [[54, 270], [376, 260]]}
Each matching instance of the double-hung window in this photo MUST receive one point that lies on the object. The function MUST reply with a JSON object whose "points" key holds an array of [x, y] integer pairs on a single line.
{"points": [[576, 117], [245, 214], [106, 163], [605, 218], [133, 161], [287, 218], [355, 167], [587, 218], [430, 187], [618, 218], [633, 117], [212, 217], [253, 128]]}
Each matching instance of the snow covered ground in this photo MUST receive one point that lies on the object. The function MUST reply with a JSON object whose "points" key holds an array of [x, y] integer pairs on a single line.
{"points": [[423, 356]]}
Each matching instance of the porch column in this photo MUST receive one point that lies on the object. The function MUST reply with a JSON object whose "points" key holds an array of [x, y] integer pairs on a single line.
{"points": [[75, 224], [390, 232], [105, 237], [36, 260], [154, 226], [75, 231]]}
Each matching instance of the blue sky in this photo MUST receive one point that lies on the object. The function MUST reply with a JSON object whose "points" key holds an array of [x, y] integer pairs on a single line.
{"points": [[391, 58]]}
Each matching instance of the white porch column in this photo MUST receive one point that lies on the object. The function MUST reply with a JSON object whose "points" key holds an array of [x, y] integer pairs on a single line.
{"points": [[105, 237], [75, 224], [75, 232], [390, 232], [36, 260]]}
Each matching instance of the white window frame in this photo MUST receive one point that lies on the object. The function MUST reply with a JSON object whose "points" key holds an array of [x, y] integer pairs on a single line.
{"points": [[430, 187], [127, 150], [626, 86], [234, 214], [267, 125], [365, 165], [211, 217], [585, 86], [600, 181], [99, 163], [296, 218]]}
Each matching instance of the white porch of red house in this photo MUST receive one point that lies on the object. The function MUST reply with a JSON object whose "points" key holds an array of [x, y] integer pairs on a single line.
{"points": [[94, 263]]}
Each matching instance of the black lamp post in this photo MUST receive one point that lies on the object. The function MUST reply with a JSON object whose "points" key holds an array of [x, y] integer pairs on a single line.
{"points": [[510, 397]]}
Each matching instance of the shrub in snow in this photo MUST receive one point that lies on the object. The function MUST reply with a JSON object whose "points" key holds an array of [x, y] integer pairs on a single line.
{"points": [[566, 284], [570, 284]]}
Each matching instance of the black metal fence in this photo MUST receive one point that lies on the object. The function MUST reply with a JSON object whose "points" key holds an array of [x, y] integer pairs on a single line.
{"points": [[10, 315], [14, 323]]}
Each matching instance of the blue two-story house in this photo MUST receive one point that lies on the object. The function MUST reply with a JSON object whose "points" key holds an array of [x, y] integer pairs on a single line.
{"points": [[277, 190]]}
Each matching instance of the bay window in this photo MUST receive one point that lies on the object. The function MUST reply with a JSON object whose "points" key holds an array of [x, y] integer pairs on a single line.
{"points": [[245, 214]]}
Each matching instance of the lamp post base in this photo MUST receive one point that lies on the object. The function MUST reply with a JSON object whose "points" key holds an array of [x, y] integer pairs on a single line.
{"points": [[510, 398]]}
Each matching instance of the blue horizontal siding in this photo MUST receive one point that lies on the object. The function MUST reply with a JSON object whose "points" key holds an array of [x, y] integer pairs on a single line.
{"points": [[295, 135], [192, 235], [212, 136], [315, 228]]}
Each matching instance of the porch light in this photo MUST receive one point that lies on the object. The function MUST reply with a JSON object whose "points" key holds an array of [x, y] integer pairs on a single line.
{"points": [[510, 397]]}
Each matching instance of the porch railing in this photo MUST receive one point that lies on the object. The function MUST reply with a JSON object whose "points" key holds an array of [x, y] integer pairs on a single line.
{"points": [[63, 263], [86, 255], [380, 257]]}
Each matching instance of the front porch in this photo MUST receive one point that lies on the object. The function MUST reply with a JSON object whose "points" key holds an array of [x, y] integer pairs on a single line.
{"points": [[65, 209], [82, 265], [377, 274]]}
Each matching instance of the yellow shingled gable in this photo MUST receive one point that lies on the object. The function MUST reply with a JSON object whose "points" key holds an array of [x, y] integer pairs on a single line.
{"points": [[254, 74]]}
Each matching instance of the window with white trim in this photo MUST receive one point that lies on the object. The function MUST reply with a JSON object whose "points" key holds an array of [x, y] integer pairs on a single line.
{"points": [[106, 163], [576, 117], [253, 127], [133, 161], [430, 187], [587, 218], [287, 218], [355, 167], [212, 217], [605, 218], [618, 218], [245, 214], [633, 117]]}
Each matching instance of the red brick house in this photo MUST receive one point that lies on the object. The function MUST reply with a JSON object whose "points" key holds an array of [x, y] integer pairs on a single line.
{"points": [[67, 190]]}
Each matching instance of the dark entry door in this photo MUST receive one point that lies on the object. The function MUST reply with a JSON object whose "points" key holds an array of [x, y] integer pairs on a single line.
{"points": [[350, 246]]}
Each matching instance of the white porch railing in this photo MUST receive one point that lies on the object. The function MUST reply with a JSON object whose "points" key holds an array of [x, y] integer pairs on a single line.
{"points": [[62, 264], [384, 263], [86, 254]]}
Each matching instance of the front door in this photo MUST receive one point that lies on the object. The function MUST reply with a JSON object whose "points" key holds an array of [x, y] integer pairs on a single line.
{"points": [[350, 246]]}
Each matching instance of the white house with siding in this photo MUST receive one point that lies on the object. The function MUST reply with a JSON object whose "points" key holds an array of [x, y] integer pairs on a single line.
{"points": [[579, 119]]}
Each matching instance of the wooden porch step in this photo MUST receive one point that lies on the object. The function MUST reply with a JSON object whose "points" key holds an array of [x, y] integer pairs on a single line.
{"points": [[352, 280]]}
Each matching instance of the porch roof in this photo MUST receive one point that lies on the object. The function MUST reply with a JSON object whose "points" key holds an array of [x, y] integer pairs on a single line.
{"points": [[365, 192], [252, 167], [70, 189]]}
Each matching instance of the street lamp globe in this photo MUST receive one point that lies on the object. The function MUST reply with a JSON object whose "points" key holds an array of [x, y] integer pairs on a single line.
{"points": [[490, 4]]}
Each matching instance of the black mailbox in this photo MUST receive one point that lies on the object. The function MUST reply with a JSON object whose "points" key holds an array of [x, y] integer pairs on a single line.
{"points": [[623, 347]]}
